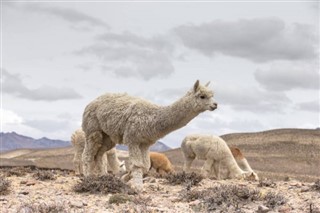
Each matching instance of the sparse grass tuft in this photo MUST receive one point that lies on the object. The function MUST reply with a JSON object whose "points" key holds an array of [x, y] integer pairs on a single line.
{"points": [[230, 198], [102, 185], [17, 171], [42, 208], [189, 179], [4, 185], [119, 198], [316, 185], [267, 183], [273, 200], [44, 175]]}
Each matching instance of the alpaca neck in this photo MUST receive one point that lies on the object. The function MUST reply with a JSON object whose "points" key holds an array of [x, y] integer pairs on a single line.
{"points": [[244, 165], [174, 116], [232, 166]]}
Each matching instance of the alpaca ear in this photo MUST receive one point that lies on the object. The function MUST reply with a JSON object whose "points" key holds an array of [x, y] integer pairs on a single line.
{"points": [[196, 86], [207, 84]]}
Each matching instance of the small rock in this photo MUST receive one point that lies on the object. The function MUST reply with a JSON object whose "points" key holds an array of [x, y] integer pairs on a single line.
{"points": [[195, 203], [263, 209], [305, 189], [23, 182], [3, 199], [30, 183], [23, 193], [77, 204], [284, 209]]}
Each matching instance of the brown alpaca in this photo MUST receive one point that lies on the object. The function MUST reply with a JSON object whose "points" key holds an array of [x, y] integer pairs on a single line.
{"points": [[160, 163], [242, 161]]}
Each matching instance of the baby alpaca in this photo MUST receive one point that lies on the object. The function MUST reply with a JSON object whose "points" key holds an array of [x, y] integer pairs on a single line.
{"points": [[122, 119], [242, 162], [160, 163], [215, 152], [110, 160]]}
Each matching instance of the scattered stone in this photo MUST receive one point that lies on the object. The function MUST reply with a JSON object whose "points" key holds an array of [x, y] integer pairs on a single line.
{"points": [[23, 182], [305, 189], [284, 209], [263, 209], [24, 192], [30, 183], [77, 204]]}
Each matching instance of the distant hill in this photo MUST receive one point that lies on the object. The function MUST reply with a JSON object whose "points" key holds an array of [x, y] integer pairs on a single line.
{"points": [[12, 140], [157, 147]]}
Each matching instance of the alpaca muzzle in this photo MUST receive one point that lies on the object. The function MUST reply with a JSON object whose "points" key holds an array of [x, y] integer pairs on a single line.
{"points": [[213, 107]]}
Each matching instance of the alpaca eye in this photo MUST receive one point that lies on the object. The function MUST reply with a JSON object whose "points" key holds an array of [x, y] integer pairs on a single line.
{"points": [[202, 96]]}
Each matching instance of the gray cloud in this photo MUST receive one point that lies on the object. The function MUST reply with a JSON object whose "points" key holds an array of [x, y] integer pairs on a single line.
{"points": [[129, 55], [311, 106], [69, 15], [281, 77], [47, 125], [259, 40], [244, 98], [12, 84]]}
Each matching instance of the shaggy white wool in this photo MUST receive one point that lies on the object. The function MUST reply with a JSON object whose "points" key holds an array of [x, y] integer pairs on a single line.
{"points": [[122, 119], [215, 152]]}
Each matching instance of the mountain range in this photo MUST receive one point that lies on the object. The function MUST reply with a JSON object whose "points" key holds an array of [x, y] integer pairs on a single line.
{"points": [[12, 140]]}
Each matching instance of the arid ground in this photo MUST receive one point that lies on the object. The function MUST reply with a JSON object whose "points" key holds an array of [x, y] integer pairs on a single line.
{"points": [[286, 160]]}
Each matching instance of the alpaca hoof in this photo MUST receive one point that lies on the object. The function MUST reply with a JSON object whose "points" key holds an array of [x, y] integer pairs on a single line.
{"points": [[138, 187]]}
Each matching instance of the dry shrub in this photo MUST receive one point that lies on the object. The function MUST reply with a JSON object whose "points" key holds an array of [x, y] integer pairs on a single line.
{"points": [[119, 198], [230, 198], [316, 185], [44, 175], [4, 185], [17, 171], [42, 208], [267, 183], [102, 185], [183, 178], [273, 200]]}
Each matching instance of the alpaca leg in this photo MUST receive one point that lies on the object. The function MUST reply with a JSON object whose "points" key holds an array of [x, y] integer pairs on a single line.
{"points": [[136, 166], [77, 162], [187, 163], [113, 162], [206, 169], [144, 149], [92, 146], [216, 167], [101, 167]]}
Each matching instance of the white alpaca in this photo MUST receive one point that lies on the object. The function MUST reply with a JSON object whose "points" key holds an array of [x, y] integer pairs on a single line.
{"points": [[215, 152], [110, 161], [122, 119]]}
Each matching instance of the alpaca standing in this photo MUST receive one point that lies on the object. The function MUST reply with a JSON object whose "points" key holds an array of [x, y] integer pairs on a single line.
{"points": [[215, 152], [160, 163], [110, 159], [122, 119]]}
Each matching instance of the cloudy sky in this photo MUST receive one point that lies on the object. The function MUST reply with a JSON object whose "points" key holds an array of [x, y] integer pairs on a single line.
{"points": [[262, 59]]}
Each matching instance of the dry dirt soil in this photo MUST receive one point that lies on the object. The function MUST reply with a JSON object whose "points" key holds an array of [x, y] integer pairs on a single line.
{"points": [[286, 160]]}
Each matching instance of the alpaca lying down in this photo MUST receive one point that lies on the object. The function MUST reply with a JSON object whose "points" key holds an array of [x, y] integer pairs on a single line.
{"points": [[110, 161], [216, 153], [160, 163]]}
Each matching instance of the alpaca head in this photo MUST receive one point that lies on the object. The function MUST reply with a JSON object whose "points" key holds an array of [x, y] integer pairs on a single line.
{"points": [[202, 97]]}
